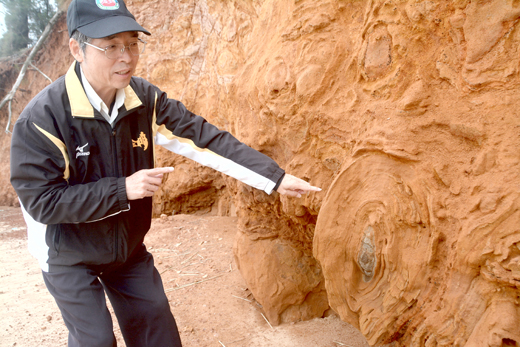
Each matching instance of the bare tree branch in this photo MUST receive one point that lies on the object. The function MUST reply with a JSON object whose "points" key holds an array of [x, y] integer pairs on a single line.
{"points": [[9, 97], [40, 71], [9, 121]]}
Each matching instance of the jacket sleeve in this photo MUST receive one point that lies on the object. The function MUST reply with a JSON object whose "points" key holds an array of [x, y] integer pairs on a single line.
{"points": [[40, 172], [187, 134]]}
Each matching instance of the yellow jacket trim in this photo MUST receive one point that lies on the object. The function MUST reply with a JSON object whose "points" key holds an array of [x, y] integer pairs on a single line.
{"points": [[80, 105], [61, 146]]}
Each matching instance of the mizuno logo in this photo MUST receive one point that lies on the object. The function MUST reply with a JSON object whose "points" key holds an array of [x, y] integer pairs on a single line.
{"points": [[80, 151], [141, 141]]}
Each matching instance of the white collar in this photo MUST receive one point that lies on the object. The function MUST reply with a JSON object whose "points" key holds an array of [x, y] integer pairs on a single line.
{"points": [[99, 104]]}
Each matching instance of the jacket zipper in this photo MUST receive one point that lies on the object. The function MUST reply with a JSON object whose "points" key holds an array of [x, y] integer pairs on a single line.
{"points": [[116, 171]]}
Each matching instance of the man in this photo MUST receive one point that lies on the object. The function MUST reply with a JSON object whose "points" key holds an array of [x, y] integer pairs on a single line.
{"points": [[82, 164]]}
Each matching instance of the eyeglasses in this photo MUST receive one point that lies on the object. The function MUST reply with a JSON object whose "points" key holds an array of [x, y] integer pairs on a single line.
{"points": [[116, 50]]}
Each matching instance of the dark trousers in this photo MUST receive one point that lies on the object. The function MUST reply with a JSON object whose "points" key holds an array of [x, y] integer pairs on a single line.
{"points": [[136, 293]]}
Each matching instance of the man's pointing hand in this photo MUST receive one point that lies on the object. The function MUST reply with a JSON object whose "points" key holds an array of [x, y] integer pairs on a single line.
{"points": [[144, 183], [294, 186]]}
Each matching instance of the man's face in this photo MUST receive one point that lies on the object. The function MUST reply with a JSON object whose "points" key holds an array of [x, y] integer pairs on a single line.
{"points": [[107, 75]]}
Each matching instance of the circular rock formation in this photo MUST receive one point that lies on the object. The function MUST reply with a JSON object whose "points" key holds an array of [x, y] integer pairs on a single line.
{"points": [[372, 240]]}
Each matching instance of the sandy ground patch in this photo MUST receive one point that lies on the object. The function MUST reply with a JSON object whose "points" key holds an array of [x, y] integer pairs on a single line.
{"points": [[209, 299]]}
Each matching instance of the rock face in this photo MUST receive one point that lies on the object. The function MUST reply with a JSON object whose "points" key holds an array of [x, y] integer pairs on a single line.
{"points": [[404, 112]]}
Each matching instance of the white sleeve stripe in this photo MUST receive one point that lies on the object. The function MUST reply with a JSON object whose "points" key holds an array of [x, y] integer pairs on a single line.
{"points": [[169, 136], [206, 157]]}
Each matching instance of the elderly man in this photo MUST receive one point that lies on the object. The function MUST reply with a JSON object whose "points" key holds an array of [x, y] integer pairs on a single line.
{"points": [[82, 164]]}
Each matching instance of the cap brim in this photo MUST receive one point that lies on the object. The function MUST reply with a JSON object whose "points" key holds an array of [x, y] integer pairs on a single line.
{"points": [[110, 26]]}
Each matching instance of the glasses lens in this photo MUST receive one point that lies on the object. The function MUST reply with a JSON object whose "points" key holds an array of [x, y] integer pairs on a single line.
{"points": [[137, 48], [114, 51]]}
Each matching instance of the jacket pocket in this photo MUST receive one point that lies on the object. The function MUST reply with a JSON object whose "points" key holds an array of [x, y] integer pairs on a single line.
{"points": [[82, 243], [52, 238]]}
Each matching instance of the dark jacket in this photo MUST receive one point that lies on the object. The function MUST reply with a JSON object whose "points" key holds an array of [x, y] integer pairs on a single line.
{"points": [[68, 167]]}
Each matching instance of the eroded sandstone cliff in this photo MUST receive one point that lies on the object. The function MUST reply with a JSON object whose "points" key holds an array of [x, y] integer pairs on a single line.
{"points": [[404, 112]]}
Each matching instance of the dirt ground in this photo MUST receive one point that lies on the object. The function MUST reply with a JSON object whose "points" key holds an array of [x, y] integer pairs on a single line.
{"points": [[208, 297]]}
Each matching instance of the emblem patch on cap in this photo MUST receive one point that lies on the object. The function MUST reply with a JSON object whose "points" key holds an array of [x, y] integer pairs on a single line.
{"points": [[107, 4]]}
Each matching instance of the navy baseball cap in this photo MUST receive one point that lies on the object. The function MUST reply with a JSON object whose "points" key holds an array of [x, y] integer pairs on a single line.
{"points": [[101, 18]]}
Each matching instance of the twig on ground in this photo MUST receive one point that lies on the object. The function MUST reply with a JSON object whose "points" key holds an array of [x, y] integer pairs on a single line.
{"points": [[191, 256], [191, 284], [238, 297], [266, 320], [222, 344], [168, 269], [197, 263], [341, 344], [169, 256]]}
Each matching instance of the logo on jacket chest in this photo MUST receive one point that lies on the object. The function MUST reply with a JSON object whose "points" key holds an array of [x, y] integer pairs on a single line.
{"points": [[80, 151], [141, 141]]}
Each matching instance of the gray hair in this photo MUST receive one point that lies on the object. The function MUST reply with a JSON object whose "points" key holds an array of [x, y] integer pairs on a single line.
{"points": [[82, 39]]}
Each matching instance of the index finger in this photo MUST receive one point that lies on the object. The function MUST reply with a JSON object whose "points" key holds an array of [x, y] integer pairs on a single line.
{"points": [[304, 185], [160, 170], [307, 188], [311, 188]]}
